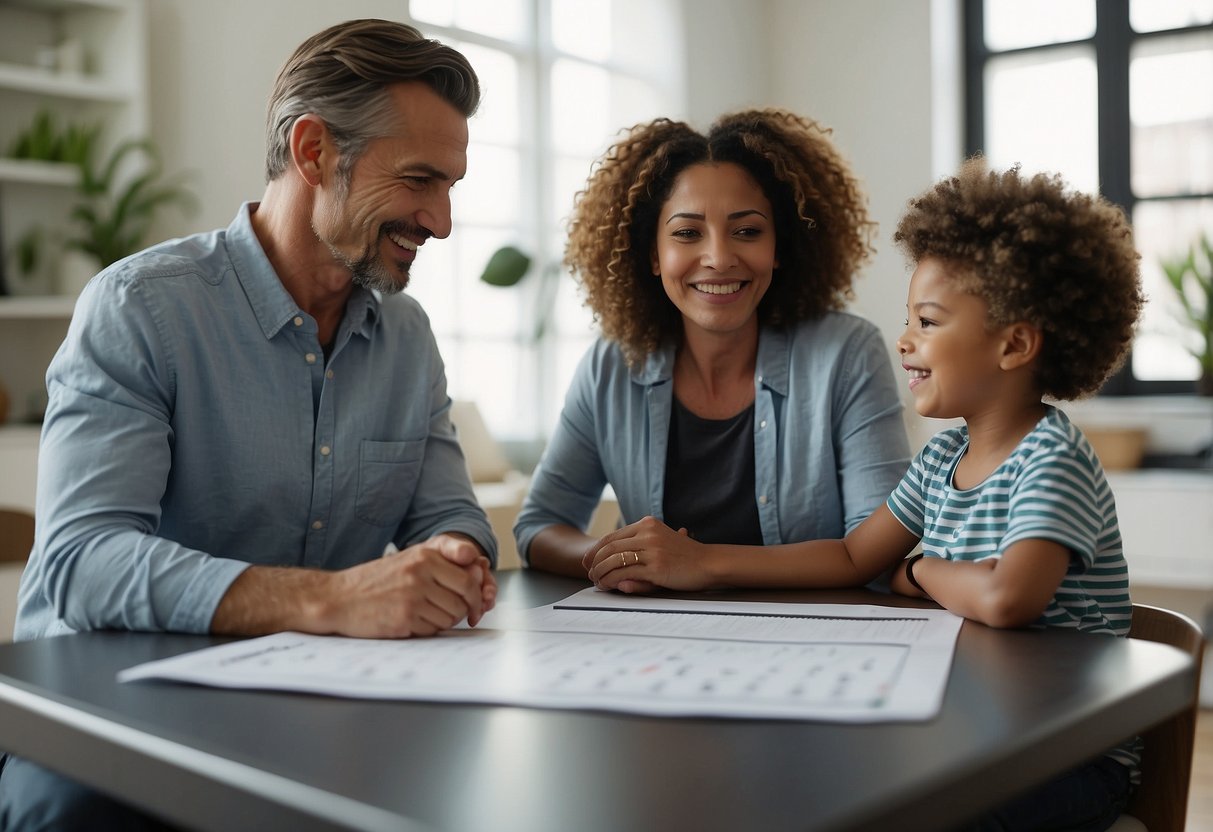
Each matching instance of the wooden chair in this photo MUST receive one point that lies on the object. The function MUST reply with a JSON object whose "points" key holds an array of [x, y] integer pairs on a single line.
{"points": [[1161, 801], [16, 535]]}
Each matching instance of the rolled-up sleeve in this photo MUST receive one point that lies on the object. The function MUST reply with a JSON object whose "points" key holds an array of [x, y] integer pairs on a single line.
{"points": [[197, 425], [104, 460]]}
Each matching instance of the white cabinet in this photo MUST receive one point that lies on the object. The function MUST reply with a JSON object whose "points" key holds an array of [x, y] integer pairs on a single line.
{"points": [[1166, 520]]}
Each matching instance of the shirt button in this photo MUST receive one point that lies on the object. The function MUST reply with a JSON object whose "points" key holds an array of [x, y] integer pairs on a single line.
{"points": [[298, 321], [310, 358], [328, 373], [762, 501], [762, 424], [325, 450], [317, 524], [760, 379]]}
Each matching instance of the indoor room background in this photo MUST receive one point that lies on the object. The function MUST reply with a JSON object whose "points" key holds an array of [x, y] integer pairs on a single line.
{"points": [[562, 77]]}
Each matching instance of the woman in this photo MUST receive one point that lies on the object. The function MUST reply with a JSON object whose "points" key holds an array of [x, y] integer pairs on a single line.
{"points": [[729, 399]]}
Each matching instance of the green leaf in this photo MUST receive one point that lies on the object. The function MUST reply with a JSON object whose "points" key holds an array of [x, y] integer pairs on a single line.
{"points": [[120, 200], [506, 267]]}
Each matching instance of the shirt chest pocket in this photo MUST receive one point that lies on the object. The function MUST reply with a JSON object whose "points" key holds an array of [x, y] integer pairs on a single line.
{"points": [[387, 479]]}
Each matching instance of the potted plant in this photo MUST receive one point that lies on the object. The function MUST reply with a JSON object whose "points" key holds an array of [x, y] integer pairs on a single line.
{"points": [[43, 141], [1191, 277], [117, 208]]}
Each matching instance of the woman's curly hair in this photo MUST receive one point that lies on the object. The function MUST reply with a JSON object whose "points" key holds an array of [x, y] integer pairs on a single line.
{"points": [[822, 231], [1035, 251]]}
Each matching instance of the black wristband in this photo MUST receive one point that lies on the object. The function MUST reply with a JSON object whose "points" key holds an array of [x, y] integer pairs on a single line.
{"points": [[910, 561]]}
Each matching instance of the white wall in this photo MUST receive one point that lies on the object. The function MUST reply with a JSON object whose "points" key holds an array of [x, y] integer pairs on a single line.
{"points": [[212, 66], [863, 68], [728, 60]]}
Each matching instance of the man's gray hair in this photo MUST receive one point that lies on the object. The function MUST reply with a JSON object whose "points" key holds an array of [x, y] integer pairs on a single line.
{"points": [[342, 75]]}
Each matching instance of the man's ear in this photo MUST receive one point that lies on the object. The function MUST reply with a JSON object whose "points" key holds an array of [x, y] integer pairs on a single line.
{"points": [[310, 148], [1021, 343]]}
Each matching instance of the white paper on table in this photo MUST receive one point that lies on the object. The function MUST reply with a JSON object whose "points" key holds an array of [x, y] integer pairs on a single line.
{"points": [[623, 653]]}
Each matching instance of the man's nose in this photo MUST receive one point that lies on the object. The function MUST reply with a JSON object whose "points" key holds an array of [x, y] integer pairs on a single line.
{"points": [[435, 217]]}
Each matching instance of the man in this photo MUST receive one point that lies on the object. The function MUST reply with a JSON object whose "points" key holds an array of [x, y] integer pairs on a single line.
{"points": [[242, 422]]}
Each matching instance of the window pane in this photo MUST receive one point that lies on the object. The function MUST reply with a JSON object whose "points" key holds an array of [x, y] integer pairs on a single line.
{"points": [[431, 282], [648, 38], [485, 310], [1012, 24], [497, 119], [1041, 113], [1171, 100], [581, 125], [1165, 230], [505, 19], [437, 12], [491, 194], [497, 369], [582, 28], [569, 177], [1156, 15]]}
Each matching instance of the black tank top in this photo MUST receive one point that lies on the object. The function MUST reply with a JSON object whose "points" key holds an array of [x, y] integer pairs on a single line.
{"points": [[709, 477]]}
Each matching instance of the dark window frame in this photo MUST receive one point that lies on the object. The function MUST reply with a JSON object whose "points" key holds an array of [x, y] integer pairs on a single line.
{"points": [[1113, 43]]}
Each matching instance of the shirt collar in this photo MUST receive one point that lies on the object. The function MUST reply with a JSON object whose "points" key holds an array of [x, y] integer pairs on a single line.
{"points": [[771, 366], [271, 302]]}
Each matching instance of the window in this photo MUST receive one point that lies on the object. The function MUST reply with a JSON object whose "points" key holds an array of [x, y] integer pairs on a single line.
{"points": [[560, 79], [1115, 95]]}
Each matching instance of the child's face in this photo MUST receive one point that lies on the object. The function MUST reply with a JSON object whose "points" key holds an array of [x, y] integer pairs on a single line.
{"points": [[952, 360]]}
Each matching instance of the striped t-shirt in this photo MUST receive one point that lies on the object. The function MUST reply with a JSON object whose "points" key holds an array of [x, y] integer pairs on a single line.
{"points": [[1051, 487]]}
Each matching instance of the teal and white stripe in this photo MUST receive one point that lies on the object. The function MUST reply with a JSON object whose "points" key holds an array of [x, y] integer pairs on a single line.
{"points": [[1051, 487]]}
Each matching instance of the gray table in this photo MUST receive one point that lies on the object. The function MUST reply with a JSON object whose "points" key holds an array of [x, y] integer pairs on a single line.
{"points": [[1020, 706]]}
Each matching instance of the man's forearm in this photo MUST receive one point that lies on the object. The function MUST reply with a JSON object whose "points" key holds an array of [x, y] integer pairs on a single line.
{"points": [[269, 599]]}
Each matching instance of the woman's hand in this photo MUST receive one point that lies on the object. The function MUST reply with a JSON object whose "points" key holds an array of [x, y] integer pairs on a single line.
{"points": [[647, 555]]}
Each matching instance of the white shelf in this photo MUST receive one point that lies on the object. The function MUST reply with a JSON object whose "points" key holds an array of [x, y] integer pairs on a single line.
{"points": [[34, 172], [42, 307], [37, 81]]}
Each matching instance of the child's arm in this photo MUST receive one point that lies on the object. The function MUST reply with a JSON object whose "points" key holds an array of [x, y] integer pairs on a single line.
{"points": [[1009, 591], [665, 558]]}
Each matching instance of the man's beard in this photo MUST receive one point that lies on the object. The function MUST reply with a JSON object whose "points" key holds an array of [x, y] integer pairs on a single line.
{"points": [[370, 272]]}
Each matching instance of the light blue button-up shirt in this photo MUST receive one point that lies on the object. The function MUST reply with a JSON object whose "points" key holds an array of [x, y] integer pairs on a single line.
{"points": [[195, 427], [829, 441]]}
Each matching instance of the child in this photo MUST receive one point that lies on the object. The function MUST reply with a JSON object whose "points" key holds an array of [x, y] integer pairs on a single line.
{"points": [[1022, 291]]}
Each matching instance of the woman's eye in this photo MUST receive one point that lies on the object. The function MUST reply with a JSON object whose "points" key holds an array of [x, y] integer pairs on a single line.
{"points": [[686, 234]]}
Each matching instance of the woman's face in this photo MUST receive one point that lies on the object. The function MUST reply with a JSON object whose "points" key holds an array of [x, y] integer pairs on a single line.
{"points": [[715, 248]]}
